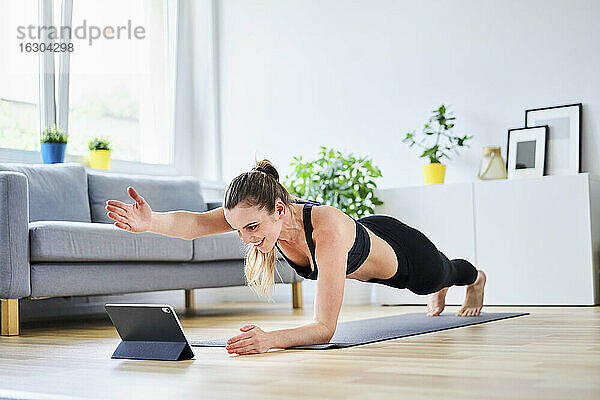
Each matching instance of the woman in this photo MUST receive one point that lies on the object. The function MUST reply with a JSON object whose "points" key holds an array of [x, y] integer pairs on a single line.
{"points": [[320, 242]]}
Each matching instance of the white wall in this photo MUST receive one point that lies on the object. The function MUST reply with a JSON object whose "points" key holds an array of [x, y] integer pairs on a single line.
{"points": [[357, 75]]}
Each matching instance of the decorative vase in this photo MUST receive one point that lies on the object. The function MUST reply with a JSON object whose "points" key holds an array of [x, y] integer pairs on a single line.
{"points": [[53, 153], [434, 173], [100, 159], [492, 164]]}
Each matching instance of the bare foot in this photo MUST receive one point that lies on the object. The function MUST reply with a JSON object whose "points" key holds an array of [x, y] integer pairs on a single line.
{"points": [[436, 303], [474, 298]]}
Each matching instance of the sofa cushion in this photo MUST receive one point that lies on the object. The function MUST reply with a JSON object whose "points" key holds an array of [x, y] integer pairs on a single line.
{"points": [[84, 241], [57, 192], [163, 193], [224, 246]]}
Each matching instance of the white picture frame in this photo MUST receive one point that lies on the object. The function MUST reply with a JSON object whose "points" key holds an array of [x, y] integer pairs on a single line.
{"points": [[526, 152], [563, 146]]}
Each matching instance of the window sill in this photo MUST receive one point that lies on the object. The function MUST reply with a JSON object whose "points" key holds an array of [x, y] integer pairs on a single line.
{"points": [[117, 166]]}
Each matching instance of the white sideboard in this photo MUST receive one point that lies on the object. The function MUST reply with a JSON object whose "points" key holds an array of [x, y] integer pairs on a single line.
{"points": [[537, 239]]}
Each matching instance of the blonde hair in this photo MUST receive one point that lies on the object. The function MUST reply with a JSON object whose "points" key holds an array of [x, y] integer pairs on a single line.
{"points": [[258, 187]]}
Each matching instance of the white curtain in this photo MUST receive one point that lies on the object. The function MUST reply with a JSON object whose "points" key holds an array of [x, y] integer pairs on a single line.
{"points": [[66, 13], [197, 110], [52, 99], [47, 102], [155, 123]]}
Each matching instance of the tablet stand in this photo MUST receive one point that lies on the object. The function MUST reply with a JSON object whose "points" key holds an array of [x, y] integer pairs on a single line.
{"points": [[153, 350]]}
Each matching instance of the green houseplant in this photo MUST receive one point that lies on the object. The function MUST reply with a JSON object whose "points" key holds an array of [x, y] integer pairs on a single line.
{"points": [[53, 143], [339, 180], [439, 125], [99, 153]]}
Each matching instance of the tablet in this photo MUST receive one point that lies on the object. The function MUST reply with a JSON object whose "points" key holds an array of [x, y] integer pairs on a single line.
{"points": [[149, 332]]}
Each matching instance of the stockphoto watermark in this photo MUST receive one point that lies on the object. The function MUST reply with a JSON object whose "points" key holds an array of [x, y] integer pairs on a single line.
{"points": [[87, 32]]}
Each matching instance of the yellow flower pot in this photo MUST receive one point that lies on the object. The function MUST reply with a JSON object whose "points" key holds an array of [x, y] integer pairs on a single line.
{"points": [[100, 159], [434, 173]]}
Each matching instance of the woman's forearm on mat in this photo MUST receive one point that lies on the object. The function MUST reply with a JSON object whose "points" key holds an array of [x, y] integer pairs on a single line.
{"points": [[313, 333], [177, 224]]}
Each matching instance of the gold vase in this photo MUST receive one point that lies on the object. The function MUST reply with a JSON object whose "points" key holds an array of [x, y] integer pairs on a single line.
{"points": [[492, 164]]}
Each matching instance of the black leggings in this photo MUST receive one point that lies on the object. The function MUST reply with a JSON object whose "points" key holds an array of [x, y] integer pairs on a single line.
{"points": [[422, 268]]}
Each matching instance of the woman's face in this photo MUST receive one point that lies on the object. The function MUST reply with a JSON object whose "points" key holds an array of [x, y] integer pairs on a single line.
{"points": [[256, 226]]}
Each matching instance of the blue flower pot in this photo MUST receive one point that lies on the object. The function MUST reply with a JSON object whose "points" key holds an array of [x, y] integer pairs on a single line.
{"points": [[53, 152]]}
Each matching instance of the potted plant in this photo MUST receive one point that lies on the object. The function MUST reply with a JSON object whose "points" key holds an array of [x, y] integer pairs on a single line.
{"points": [[99, 153], [53, 142], [339, 180], [439, 125]]}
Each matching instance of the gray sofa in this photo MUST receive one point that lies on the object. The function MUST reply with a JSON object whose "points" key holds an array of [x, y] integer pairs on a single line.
{"points": [[56, 239]]}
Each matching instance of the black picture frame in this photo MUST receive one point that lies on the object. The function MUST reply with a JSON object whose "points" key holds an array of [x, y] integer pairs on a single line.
{"points": [[525, 129], [579, 114]]}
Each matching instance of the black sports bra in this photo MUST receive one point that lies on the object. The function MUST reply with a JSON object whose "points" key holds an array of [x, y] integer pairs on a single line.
{"points": [[356, 256]]}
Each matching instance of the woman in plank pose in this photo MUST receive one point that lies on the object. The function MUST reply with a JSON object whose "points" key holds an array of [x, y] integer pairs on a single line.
{"points": [[320, 242]]}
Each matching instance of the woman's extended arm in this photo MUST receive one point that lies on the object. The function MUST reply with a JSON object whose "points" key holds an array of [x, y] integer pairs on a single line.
{"points": [[139, 217], [189, 225]]}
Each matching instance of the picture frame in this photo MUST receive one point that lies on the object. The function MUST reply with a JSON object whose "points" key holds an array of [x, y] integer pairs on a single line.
{"points": [[526, 152], [563, 146]]}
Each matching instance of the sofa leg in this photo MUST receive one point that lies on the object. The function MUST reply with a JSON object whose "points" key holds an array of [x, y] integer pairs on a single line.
{"points": [[189, 299], [297, 294], [10, 317]]}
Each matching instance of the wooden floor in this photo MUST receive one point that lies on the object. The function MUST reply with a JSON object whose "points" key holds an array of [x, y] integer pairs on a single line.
{"points": [[554, 353]]}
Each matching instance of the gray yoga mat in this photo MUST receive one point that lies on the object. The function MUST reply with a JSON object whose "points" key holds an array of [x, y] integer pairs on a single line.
{"points": [[363, 331]]}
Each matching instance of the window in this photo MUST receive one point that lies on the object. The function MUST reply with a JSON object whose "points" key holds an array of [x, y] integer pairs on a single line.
{"points": [[121, 88], [18, 79]]}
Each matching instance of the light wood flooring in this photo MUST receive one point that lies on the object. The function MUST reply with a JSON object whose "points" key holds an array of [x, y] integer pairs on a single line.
{"points": [[554, 353]]}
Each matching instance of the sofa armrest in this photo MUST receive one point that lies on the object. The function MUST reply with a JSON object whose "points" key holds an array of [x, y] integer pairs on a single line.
{"points": [[213, 204], [14, 236]]}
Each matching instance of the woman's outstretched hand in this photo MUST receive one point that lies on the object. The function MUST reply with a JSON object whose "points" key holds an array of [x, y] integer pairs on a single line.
{"points": [[253, 340], [134, 217]]}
